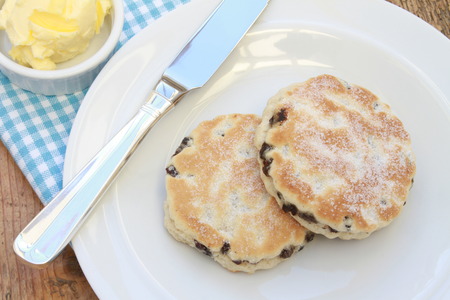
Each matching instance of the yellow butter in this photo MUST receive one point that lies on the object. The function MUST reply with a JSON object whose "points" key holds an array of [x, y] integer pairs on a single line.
{"points": [[46, 32]]}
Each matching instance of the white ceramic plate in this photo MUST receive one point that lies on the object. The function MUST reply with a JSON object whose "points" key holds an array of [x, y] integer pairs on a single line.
{"points": [[124, 249]]}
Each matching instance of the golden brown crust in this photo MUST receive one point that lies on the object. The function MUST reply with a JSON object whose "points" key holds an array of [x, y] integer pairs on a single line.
{"points": [[338, 155], [216, 199]]}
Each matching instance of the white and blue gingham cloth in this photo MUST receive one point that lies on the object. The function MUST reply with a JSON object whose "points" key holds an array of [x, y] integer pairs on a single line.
{"points": [[36, 128]]}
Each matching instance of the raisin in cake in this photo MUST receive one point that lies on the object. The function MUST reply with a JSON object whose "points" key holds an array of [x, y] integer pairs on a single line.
{"points": [[217, 203], [335, 157]]}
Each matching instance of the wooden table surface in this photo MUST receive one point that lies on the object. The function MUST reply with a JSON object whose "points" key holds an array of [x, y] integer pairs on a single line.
{"points": [[64, 279]]}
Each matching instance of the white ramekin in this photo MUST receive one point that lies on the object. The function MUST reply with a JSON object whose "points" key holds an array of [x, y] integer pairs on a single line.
{"points": [[71, 76]]}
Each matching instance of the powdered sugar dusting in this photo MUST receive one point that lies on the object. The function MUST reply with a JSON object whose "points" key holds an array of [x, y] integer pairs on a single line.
{"points": [[224, 199], [349, 149]]}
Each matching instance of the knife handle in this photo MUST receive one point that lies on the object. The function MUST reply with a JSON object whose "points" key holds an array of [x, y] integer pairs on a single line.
{"points": [[53, 228]]}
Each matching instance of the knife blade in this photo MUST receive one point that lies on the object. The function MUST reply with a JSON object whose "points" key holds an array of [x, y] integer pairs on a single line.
{"points": [[53, 228]]}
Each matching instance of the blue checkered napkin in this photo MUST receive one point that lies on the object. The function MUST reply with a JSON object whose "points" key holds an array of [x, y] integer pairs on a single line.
{"points": [[36, 128]]}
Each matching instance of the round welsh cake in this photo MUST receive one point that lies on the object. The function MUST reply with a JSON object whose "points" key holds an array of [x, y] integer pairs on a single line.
{"points": [[335, 157], [217, 203]]}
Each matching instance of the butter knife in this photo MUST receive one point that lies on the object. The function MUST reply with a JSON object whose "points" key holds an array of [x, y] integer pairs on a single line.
{"points": [[53, 228]]}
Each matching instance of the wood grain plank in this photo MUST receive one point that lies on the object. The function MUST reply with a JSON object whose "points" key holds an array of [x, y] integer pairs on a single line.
{"points": [[63, 278]]}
